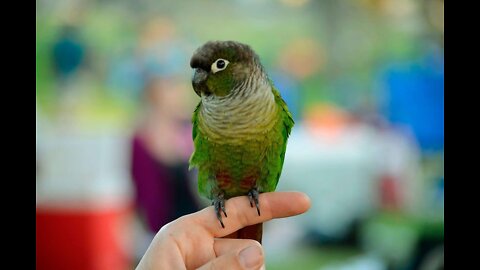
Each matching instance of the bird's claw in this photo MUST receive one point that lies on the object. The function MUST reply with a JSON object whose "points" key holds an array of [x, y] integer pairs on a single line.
{"points": [[253, 198], [219, 205]]}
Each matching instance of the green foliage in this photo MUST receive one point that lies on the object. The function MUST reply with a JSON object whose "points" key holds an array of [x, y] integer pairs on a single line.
{"points": [[310, 258]]}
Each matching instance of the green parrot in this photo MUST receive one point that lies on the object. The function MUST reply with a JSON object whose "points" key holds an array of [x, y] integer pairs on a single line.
{"points": [[240, 127]]}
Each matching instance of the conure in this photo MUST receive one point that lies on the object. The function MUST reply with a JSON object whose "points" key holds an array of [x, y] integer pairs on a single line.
{"points": [[240, 127]]}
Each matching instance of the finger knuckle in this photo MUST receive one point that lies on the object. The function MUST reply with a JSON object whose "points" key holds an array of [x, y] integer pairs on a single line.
{"points": [[241, 216]]}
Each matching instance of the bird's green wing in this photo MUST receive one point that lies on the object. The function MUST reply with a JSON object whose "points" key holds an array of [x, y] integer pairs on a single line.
{"points": [[286, 115], [192, 162], [286, 124]]}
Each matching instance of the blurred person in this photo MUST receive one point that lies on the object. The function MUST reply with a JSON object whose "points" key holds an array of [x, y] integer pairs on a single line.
{"points": [[300, 60], [195, 241], [161, 146], [69, 58], [160, 48], [157, 50], [414, 96], [68, 53]]}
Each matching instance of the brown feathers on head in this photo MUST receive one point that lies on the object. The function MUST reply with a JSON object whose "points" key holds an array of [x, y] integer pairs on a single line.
{"points": [[233, 51], [222, 66]]}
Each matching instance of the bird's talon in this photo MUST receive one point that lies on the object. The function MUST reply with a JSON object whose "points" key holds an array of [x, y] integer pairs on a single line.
{"points": [[253, 198], [219, 206]]}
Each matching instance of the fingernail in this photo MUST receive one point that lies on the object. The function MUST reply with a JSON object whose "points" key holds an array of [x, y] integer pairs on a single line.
{"points": [[251, 257]]}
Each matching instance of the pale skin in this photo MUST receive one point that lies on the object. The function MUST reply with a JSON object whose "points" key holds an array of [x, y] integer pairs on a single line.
{"points": [[195, 241]]}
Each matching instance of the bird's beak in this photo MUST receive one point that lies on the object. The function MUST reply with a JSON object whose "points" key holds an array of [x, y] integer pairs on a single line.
{"points": [[199, 82]]}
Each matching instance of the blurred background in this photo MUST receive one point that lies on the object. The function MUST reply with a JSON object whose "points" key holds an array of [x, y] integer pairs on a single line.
{"points": [[363, 79]]}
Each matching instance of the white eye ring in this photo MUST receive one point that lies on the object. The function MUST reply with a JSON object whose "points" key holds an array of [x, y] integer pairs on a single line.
{"points": [[215, 66]]}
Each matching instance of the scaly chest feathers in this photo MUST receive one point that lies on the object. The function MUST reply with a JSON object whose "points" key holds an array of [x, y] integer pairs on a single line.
{"points": [[243, 115], [239, 139]]}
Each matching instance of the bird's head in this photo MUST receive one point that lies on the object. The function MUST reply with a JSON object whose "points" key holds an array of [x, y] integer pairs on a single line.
{"points": [[221, 66]]}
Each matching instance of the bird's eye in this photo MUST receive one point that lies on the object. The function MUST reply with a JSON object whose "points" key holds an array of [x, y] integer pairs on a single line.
{"points": [[219, 65]]}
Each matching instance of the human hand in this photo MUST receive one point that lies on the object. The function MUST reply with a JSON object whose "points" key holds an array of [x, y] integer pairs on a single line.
{"points": [[194, 241]]}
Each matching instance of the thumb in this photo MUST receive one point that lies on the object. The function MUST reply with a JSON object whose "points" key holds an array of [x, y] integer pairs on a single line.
{"points": [[249, 258]]}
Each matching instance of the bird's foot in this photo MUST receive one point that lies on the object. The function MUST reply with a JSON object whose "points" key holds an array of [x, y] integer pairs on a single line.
{"points": [[219, 204], [253, 198]]}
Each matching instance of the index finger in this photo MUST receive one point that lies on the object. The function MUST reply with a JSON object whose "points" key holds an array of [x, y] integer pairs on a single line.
{"points": [[241, 214]]}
